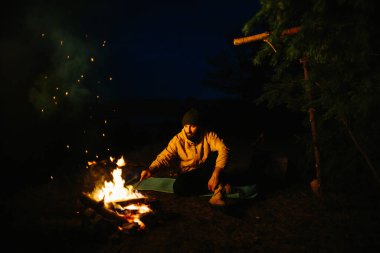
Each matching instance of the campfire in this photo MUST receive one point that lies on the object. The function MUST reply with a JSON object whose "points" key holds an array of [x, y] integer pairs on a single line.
{"points": [[122, 204]]}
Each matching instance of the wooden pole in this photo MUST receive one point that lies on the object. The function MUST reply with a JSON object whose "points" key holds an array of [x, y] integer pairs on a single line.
{"points": [[315, 183], [264, 35], [361, 149]]}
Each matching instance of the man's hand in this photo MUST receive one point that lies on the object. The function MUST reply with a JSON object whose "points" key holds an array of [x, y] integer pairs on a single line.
{"points": [[145, 174], [213, 181]]}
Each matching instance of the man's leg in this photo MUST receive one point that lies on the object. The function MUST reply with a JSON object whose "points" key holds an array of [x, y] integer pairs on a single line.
{"points": [[192, 183]]}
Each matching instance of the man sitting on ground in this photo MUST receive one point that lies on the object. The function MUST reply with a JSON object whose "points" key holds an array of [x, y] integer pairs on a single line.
{"points": [[199, 171]]}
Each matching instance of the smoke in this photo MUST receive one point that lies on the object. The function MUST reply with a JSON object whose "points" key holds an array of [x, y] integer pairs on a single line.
{"points": [[52, 73], [65, 81]]}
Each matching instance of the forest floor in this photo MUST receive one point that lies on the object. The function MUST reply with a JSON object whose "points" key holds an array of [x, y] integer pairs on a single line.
{"points": [[288, 218], [48, 216]]}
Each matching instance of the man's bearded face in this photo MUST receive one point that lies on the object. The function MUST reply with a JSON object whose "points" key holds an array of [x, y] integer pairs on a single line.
{"points": [[192, 132]]}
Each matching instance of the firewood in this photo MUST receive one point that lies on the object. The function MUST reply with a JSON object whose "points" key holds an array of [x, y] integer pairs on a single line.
{"points": [[101, 209]]}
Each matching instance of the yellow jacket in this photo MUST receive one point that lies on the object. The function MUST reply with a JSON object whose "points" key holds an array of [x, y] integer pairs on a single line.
{"points": [[191, 154]]}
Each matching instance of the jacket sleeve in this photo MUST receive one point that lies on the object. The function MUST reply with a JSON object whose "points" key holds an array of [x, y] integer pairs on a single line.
{"points": [[218, 145], [166, 156]]}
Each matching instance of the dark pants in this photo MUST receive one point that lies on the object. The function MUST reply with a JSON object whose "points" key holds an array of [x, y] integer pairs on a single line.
{"points": [[195, 182]]}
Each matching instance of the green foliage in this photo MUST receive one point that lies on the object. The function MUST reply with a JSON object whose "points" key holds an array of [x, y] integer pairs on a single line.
{"points": [[339, 39]]}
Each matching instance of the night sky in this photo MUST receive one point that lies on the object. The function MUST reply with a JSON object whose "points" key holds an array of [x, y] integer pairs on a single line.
{"points": [[139, 49]]}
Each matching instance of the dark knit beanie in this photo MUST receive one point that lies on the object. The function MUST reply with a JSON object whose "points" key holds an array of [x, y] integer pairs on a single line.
{"points": [[191, 117]]}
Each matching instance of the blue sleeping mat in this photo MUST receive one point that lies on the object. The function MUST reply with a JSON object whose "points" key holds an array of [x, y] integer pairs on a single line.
{"points": [[163, 184]]}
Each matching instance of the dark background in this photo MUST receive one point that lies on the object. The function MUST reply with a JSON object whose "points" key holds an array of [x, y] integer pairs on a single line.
{"points": [[61, 109], [150, 60]]}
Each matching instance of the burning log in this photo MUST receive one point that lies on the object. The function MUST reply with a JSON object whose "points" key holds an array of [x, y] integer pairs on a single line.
{"points": [[120, 204], [132, 201], [122, 215], [101, 209]]}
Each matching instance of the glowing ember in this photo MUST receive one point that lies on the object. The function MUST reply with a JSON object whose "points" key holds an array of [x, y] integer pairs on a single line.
{"points": [[113, 193], [133, 212]]}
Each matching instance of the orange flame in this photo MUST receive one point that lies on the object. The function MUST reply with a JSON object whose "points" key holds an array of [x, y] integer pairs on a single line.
{"points": [[116, 191]]}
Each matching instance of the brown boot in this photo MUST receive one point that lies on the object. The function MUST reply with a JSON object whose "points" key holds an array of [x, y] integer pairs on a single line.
{"points": [[217, 199]]}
